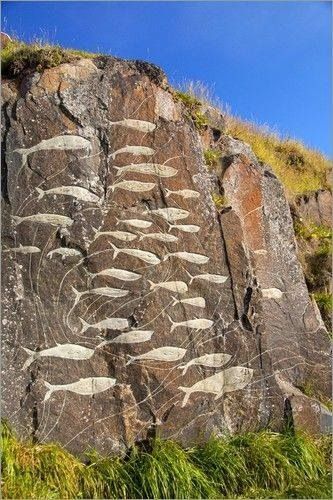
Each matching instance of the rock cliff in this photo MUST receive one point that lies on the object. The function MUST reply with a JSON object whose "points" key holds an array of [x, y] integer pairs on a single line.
{"points": [[133, 305]]}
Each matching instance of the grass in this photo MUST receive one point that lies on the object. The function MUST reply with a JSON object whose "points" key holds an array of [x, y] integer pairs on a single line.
{"points": [[212, 157], [17, 57], [253, 465], [193, 106]]}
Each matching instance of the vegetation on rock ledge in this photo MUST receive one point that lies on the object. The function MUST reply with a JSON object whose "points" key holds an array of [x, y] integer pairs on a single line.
{"points": [[253, 465]]}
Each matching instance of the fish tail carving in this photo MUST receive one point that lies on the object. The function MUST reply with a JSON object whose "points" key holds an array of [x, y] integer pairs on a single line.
{"points": [[17, 220], [115, 249], [187, 391], [131, 359], [170, 227], [118, 170], [40, 192], [85, 325], [190, 276], [168, 192], [152, 284], [142, 235], [50, 389], [175, 301], [77, 294], [24, 153], [173, 324], [32, 356]]}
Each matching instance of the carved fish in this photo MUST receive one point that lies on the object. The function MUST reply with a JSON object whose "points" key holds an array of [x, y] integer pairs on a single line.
{"points": [[23, 249], [229, 380], [84, 386], [147, 168], [196, 258], [138, 223], [213, 278], [173, 286], [77, 192], [194, 301], [65, 252], [104, 291], [132, 337], [148, 257], [159, 237], [62, 142], [120, 274], [167, 354], [215, 360], [119, 235], [64, 351], [184, 193], [134, 150], [134, 186], [185, 228], [195, 324], [52, 219], [171, 214], [271, 293], [109, 323], [140, 125]]}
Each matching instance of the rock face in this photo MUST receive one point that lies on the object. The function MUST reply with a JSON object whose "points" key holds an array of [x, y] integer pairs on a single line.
{"points": [[131, 305]]}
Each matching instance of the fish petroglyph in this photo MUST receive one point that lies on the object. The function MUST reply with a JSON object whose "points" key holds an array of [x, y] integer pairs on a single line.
{"points": [[103, 291], [168, 238], [173, 286], [147, 168], [134, 186], [213, 278], [138, 223], [148, 257], [64, 351], [195, 324], [119, 235], [171, 214], [196, 258], [109, 323], [77, 192], [186, 228], [132, 337], [167, 354], [62, 142], [215, 360], [65, 252], [271, 293], [84, 386], [120, 274], [140, 125], [52, 219], [194, 301], [133, 150], [229, 380], [184, 193], [23, 249]]}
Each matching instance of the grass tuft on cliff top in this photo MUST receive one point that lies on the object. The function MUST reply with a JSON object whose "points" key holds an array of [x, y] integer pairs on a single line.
{"points": [[253, 465]]}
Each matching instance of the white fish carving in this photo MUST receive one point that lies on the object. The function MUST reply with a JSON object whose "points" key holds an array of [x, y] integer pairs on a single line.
{"points": [[213, 278], [147, 168], [140, 125], [184, 193], [134, 150], [120, 274], [229, 380], [119, 235], [103, 291], [148, 257], [196, 258], [185, 228], [132, 337], [23, 249], [167, 354], [171, 214], [109, 323], [77, 192], [84, 386], [168, 238], [52, 219], [62, 142], [215, 360], [134, 186], [64, 351], [138, 223], [194, 301], [271, 293], [173, 286], [64, 252], [195, 324]]}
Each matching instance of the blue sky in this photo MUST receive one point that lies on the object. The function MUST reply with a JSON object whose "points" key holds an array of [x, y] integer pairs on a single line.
{"points": [[270, 61]]}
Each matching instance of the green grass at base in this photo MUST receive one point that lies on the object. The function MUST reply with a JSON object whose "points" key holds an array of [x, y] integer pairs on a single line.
{"points": [[253, 465]]}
